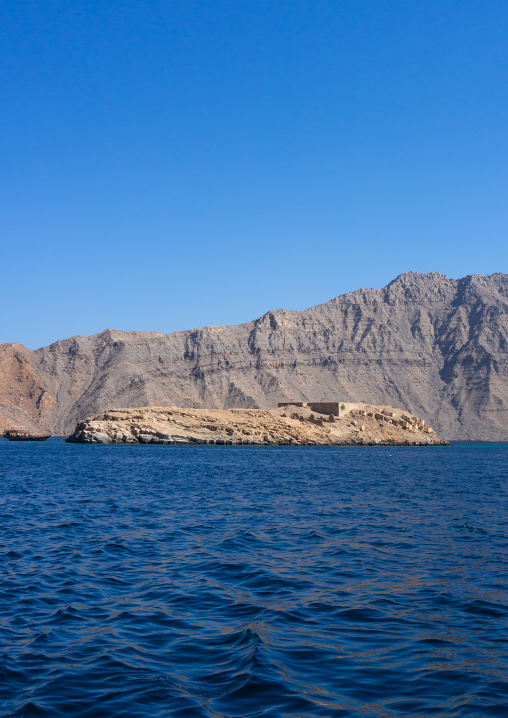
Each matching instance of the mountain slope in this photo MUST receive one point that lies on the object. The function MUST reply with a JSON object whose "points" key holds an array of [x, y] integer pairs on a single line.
{"points": [[436, 346]]}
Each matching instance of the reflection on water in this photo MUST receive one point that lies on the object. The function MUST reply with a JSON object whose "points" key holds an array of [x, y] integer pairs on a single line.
{"points": [[241, 581]]}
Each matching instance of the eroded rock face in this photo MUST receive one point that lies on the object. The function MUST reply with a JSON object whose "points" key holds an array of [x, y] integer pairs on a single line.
{"points": [[438, 346], [172, 425]]}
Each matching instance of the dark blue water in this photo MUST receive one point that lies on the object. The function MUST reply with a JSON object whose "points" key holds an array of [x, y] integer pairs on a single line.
{"points": [[241, 581]]}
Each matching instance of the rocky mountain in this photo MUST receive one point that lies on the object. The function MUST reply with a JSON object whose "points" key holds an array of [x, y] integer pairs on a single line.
{"points": [[435, 346]]}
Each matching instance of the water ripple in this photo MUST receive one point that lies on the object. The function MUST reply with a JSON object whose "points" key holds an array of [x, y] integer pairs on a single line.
{"points": [[238, 581]]}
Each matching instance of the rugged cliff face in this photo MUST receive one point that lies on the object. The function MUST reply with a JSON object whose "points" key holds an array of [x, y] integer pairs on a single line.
{"points": [[435, 346]]}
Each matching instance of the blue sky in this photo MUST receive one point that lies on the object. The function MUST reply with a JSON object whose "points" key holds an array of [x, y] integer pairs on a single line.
{"points": [[173, 164]]}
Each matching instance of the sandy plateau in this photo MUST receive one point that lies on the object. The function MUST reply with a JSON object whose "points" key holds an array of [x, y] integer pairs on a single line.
{"points": [[358, 425]]}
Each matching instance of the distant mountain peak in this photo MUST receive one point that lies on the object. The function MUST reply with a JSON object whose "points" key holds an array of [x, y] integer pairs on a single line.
{"points": [[434, 345]]}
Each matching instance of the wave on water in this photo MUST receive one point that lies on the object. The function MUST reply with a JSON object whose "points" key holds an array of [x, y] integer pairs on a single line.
{"points": [[243, 581]]}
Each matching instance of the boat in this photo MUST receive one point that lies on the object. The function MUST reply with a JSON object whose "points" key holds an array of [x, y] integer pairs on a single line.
{"points": [[21, 433]]}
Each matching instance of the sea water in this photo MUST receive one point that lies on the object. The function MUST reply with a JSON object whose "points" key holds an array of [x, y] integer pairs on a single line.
{"points": [[243, 581]]}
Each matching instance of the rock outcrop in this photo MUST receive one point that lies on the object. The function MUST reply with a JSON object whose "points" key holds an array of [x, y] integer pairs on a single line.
{"points": [[438, 346], [358, 425]]}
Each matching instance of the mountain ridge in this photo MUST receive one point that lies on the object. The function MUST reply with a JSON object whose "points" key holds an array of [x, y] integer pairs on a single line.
{"points": [[437, 346]]}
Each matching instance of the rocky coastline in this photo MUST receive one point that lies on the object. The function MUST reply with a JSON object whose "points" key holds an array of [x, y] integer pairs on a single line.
{"points": [[359, 424]]}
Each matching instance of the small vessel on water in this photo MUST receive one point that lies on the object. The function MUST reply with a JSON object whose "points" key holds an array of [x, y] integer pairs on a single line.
{"points": [[21, 433]]}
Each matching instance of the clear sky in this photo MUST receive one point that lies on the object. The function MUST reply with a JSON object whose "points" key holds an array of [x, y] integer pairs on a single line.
{"points": [[169, 164]]}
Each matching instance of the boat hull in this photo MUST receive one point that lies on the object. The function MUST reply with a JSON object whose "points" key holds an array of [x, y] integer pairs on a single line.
{"points": [[28, 438]]}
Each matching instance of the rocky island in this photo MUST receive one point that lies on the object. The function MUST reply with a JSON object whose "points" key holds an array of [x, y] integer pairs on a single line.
{"points": [[357, 424]]}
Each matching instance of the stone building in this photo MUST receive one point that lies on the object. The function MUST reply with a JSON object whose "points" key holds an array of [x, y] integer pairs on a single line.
{"points": [[319, 407]]}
